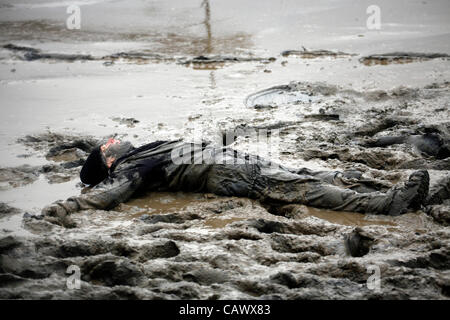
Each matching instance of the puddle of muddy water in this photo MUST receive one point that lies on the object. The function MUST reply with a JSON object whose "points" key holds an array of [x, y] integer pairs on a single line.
{"points": [[217, 223], [165, 202], [412, 221], [169, 202], [348, 218]]}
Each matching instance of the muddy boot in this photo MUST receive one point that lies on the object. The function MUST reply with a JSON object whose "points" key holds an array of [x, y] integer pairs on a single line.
{"points": [[412, 195]]}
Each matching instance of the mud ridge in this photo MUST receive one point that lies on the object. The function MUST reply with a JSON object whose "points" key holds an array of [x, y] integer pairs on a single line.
{"points": [[400, 58], [33, 54], [312, 54]]}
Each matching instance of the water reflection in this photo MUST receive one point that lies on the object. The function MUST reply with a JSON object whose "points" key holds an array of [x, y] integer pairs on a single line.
{"points": [[207, 23], [212, 80], [208, 49], [173, 28]]}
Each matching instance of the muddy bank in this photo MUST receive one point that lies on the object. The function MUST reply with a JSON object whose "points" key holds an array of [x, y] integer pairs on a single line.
{"points": [[312, 54], [212, 62], [33, 54], [400, 58], [65, 154]]}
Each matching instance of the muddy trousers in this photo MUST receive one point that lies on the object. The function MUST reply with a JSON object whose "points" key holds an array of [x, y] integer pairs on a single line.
{"points": [[283, 186], [321, 195]]}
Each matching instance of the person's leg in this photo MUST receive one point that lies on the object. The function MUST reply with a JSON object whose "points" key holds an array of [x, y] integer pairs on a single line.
{"points": [[276, 184], [349, 179], [340, 199], [322, 195]]}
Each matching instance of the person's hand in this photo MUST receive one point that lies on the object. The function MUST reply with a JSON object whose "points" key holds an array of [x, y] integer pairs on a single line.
{"points": [[56, 214], [54, 210]]}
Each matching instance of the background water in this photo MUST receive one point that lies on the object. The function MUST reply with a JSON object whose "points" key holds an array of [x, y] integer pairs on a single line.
{"points": [[213, 26]]}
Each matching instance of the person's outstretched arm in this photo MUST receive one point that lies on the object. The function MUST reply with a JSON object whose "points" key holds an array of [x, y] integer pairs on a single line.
{"points": [[105, 196]]}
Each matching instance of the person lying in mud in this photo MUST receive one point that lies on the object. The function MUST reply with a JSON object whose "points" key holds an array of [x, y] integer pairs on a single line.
{"points": [[117, 171]]}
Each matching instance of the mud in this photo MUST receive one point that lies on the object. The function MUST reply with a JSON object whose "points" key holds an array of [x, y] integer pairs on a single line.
{"points": [[6, 210], [129, 122], [32, 54], [224, 68], [216, 62], [19, 176], [241, 252], [401, 58], [65, 153], [313, 54], [440, 213], [201, 246]]}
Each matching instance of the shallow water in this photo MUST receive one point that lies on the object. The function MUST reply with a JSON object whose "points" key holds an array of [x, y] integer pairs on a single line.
{"points": [[33, 197], [164, 202], [217, 223], [348, 218]]}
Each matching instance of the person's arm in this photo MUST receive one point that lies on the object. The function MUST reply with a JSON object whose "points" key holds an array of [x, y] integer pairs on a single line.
{"points": [[105, 196]]}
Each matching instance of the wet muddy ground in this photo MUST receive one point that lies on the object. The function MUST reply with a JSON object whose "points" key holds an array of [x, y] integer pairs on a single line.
{"points": [[332, 101]]}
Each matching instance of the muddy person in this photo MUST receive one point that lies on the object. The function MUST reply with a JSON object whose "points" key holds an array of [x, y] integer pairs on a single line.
{"points": [[116, 171]]}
